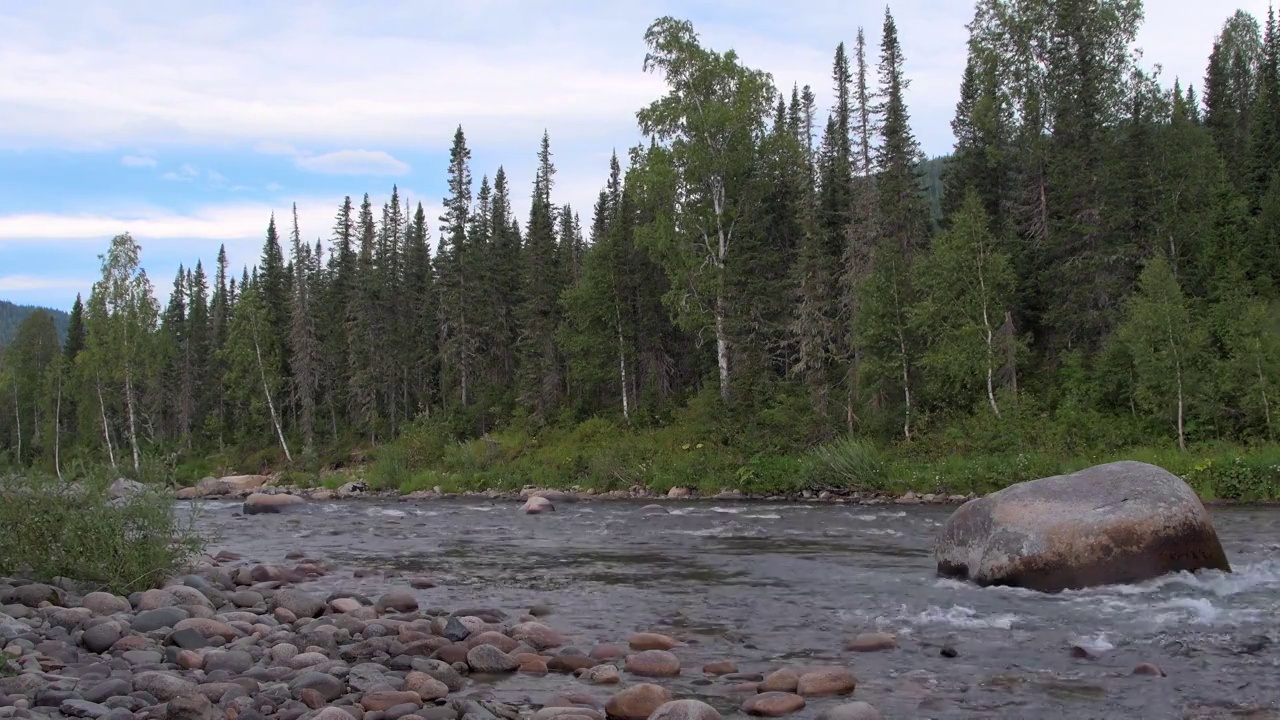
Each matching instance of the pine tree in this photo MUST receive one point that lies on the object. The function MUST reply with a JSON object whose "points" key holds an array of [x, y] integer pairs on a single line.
{"points": [[302, 337], [458, 345], [1231, 83], [1264, 126], [507, 262], [900, 217], [198, 347], [541, 284]]}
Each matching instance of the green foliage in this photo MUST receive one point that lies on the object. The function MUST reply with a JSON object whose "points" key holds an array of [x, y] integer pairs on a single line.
{"points": [[56, 529], [851, 462]]}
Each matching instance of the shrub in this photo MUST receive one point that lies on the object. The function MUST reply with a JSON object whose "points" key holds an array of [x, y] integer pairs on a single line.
{"points": [[850, 462], [74, 530]]}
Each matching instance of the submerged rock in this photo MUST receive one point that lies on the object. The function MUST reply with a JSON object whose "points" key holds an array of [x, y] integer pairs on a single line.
{"points": [[1121, 522], [537, 505], [273, 503]]}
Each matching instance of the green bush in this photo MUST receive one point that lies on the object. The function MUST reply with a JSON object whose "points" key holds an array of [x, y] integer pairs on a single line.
{"points": [[850, 462], [390, 468], [1231, 476], [74, 530]]}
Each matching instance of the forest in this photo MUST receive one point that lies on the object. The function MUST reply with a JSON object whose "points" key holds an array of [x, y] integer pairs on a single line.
{"points": [[765, 295]]}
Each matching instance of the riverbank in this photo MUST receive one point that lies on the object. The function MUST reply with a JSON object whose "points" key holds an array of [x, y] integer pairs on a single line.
{"points": [[844, 472]]}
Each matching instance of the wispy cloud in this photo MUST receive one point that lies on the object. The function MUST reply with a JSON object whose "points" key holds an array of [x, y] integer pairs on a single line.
{"points": [[29, 283], [339, 162], [186, 173], [138, 161]]}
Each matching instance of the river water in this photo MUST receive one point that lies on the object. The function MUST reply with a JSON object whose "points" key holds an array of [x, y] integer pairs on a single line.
{"points": [[773, 584]]}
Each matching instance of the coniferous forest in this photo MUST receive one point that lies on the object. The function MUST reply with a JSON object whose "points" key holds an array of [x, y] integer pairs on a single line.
{"points": [[766, 295]]}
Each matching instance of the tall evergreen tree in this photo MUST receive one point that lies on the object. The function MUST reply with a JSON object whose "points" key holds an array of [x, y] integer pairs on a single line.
{"points": [[458, 344], [540, 381], [900, 217]]}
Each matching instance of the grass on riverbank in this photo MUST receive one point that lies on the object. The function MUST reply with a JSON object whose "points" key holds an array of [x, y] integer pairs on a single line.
{"points": [[51, 529], [769, 448], [707, 454]]}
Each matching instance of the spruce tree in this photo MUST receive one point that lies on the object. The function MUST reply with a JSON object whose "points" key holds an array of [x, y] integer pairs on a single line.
{"points": [[900, 219], [540, 289], [458, 345]]}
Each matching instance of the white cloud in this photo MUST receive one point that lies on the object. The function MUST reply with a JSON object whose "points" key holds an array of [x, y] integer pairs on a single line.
{"points": [[138, 161], [405, 77], [353, 162], [186, 173], [31, 283]]}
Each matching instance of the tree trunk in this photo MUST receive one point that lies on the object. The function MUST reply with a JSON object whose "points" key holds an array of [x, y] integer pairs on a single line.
{"points": [[106, 428], [1182, 436], [271, 406], [622, 361], [57, 428], [133, 433], [986, 325], [722, 347], [1266, 404], [17, 415], [906, 384]]}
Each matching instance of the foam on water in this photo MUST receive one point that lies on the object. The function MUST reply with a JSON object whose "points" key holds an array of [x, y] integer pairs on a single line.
{"points": [[961, 617]]}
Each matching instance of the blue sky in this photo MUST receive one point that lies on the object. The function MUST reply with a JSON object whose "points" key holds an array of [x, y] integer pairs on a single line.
{"points": [[188, 127]]}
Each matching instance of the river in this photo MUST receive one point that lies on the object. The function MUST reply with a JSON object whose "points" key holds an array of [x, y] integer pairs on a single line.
{"points": [[771, 584]]}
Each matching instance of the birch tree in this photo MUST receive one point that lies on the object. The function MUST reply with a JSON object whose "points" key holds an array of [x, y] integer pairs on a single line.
{"points": [[121, 321], [711, 123]]}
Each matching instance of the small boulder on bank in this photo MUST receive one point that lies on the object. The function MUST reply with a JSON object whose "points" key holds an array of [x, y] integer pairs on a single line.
{"points": [[1121, 522], [272, 503]]}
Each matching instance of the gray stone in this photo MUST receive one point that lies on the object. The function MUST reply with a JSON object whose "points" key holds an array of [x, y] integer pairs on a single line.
{"points": [[162, 686], [100, 638], [300, 603], [101, 603], [367, 676], [119, 714], [489, 659], [53, 698], [685, 710], [143, 657], [113, 687], [236, 662], [83, 709], [24, 684], [245, 598], [851, 711], [191, 706], [188, 639], [329, 687], [1122, 522], [454, 630], [440, 670], [165, 617], [32, 595]]}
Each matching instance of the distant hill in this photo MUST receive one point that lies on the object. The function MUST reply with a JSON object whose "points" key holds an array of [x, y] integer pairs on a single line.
{"points": [[11, 316]]}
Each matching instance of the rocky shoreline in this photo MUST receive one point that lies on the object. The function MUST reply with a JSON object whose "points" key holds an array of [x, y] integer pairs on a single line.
{"points": [[243, 486], [239, 641]]}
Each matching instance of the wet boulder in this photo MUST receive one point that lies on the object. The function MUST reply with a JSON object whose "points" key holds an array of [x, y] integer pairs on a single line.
{"points": [[272, 503], [537, 505], [1121, 522]]}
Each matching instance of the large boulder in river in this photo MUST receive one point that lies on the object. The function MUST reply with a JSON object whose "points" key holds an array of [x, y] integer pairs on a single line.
{"points": [[1121, 522]]}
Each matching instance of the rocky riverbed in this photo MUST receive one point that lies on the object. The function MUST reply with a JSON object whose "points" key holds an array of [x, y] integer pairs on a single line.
{"points": [[378, 610]]}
